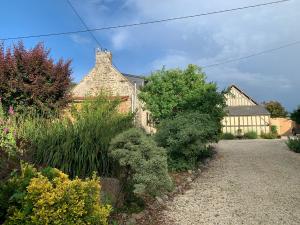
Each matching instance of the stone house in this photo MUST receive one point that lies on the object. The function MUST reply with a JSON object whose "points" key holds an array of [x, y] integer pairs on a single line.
{"points": [[244, 114], [104, 77]]}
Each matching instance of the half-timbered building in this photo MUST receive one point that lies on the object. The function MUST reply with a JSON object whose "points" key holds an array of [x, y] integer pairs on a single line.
{"points": [[244, 114]]}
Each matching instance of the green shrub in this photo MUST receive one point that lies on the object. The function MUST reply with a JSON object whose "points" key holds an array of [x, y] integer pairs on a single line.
{"points": [[186, 137], [50, 197], [9, 151], [268, 135], [227, 136], [271, 135], [250, 135], [274, 130], [294, 144], [78, 146], [142, 163]]}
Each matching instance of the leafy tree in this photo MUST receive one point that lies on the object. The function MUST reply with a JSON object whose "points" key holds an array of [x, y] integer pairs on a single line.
{"points": [[276, 109], [169, 92], [31, 80], [295, 115]]}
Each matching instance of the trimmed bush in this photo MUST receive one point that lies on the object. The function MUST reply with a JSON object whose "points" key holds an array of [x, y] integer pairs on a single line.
{"points": [[78, 146], [250, 135], [50, 197], [294, 144], [142, 163], [227, 136], [186, 137]]}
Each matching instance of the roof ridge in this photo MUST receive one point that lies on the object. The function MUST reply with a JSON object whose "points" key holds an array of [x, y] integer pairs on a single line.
{"points": [[131, 75], [243, 92]]}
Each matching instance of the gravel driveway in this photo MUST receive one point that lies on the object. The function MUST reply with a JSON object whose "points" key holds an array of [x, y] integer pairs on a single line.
{"points": [[250, 182]]}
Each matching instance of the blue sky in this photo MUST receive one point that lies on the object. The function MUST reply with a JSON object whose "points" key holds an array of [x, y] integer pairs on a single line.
{"points": [[201, 41]]}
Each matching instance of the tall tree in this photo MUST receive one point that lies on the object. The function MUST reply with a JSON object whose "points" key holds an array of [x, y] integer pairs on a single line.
{"points": [[169, 92], [30, 79], [295, 115], [276, 109]]}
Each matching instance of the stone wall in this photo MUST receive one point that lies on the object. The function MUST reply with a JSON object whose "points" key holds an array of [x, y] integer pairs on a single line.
{"points": [[284, 126]]}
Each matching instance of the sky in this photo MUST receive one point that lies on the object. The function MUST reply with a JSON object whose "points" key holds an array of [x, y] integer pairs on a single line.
{"points": [[202, 41]]}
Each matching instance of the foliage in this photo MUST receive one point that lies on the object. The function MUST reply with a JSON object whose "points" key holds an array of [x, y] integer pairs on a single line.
{"points": [[295, 115], [9, 151], [250, 135], [274, 130], [7, 133], [31, 81], [267, 135], [276, 109], [186, 137], [294, 144], [180, 102], [273, 134], [227, 136], [142, 162], [78, 145], [169, 92], [50, 197]]}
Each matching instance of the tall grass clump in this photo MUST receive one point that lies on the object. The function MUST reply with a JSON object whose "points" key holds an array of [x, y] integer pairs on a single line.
{"points": [[78, 143]]}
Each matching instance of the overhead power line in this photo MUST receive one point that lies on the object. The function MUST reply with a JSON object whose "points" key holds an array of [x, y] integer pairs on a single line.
{"points": [[86, 27], [83, 23], [252, 55], [144, 23]]}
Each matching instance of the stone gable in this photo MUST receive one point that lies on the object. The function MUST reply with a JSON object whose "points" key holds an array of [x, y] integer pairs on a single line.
{"points": [[103, 77]]}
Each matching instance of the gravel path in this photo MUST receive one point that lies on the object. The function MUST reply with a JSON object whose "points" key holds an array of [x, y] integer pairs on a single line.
{"points": [[250, 182]]}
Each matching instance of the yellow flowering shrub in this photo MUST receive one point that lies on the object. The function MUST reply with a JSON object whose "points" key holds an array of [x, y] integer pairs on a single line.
{"points": [[55, 199]]}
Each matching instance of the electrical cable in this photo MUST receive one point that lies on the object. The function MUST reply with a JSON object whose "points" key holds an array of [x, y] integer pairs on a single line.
{"points": [[143, 23], [251, 55]]}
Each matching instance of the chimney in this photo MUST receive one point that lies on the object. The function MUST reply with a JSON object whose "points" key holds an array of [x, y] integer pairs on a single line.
{"points": [[103, 57]]}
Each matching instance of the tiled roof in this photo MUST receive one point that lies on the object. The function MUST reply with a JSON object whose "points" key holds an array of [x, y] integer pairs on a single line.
{"points": [[254, 110], [139, 80]]}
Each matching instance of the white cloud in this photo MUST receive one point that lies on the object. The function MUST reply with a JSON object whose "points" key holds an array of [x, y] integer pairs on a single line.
{"points": [[80, 39], [174, 59], [119, 39], [209, 39]]}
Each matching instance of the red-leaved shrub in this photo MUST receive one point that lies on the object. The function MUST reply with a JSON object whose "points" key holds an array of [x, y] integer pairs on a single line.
{"points": [[31, 80]]}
